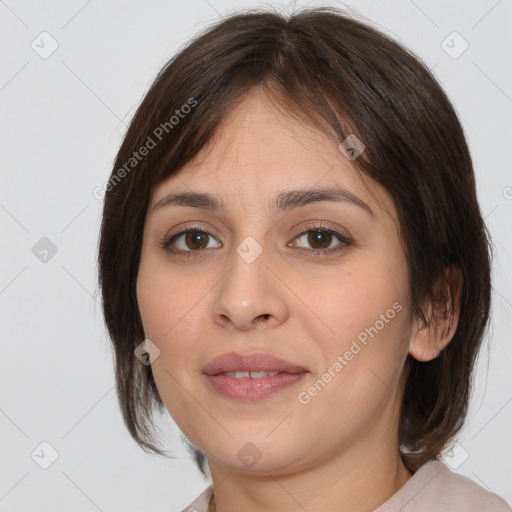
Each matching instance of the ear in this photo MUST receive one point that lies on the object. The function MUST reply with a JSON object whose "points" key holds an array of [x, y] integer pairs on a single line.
{"points": [[427, 341]]}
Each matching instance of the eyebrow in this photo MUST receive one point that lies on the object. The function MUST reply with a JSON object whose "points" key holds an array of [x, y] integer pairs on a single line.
{"points": [[285, 201]]}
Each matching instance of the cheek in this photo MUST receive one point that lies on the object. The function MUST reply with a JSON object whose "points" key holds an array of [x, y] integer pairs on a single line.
{"points": [[367, 312], [169, 309], [172, 306], [168, 302], [361, 362]]}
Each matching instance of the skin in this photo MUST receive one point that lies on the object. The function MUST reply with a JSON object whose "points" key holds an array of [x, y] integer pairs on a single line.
{"points": [[323, 455]]}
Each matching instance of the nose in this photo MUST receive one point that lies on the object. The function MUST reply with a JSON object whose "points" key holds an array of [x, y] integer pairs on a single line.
{"points": [[249, 295]]}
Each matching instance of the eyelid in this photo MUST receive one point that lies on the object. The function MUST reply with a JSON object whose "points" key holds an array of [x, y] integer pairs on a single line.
{"points": [[168, 239], [320, 225], [192, 227]]}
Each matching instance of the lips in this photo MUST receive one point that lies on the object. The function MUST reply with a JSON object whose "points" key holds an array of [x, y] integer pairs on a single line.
{"points": [[250, 389], [233, 362]]}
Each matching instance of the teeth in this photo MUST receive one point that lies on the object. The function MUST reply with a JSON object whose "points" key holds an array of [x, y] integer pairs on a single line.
{"points": [[252, 375]]}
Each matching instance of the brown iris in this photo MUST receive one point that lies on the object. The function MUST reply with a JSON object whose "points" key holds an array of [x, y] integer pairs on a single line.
{"points": [[196, 239], [321, 237]]}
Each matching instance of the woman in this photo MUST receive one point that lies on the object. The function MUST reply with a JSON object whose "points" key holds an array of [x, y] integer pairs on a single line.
{"points": [[294, 264]]}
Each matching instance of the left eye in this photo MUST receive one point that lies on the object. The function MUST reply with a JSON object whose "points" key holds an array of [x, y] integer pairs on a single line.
{"points": [[321, 239]]}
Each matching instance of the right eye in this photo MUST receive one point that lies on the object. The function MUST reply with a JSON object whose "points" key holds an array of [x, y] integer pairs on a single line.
{"points": [[188, 242]]}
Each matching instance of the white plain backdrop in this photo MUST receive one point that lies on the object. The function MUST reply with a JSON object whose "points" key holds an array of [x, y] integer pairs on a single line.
{"points": [[63, 116]]}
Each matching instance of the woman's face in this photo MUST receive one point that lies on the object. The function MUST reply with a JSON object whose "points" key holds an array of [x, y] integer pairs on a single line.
{"points": [[258, 283]]}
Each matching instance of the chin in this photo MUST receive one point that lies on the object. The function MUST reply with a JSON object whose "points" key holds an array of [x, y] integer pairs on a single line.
{"points": [[256, 458]]}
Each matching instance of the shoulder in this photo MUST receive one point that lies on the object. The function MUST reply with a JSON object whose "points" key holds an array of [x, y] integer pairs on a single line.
{"points": [[436, 487], [200, 504]]}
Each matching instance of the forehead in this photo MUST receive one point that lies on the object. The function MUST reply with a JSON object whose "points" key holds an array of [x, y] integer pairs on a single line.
{"points": [[260, 151], [257, 138]]}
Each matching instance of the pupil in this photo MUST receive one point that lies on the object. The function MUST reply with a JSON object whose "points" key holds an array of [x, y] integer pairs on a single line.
{"points": [[197, 238], [320, 237]]}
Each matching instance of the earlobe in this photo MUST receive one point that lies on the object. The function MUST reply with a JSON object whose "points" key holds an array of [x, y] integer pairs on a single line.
{"points": [[427, 341]]}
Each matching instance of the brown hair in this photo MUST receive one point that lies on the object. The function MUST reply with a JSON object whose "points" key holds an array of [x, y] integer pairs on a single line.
{"points": [[344, 77]]}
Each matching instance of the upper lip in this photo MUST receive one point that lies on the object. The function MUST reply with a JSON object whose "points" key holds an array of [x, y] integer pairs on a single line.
{"points": [[233, 362]]}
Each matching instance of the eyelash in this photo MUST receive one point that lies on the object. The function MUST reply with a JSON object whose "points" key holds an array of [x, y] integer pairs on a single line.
{"points": [[166, 243]]}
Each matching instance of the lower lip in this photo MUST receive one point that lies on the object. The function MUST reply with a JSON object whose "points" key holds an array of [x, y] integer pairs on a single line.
{"points": [[253, 389]]}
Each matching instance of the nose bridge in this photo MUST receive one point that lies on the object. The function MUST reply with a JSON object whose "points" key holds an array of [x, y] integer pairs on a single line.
{"points": [[248, 291]]}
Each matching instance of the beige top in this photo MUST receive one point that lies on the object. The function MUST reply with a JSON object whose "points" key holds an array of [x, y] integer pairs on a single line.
{"points": [[433, 488]]}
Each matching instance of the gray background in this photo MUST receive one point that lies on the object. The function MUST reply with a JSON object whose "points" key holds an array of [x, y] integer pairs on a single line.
{"points": [[63, 117]]}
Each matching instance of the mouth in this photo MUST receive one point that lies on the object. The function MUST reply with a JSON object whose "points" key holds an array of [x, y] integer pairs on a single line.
{"points": [[256, 365], [251, 377], [249, 388]]}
